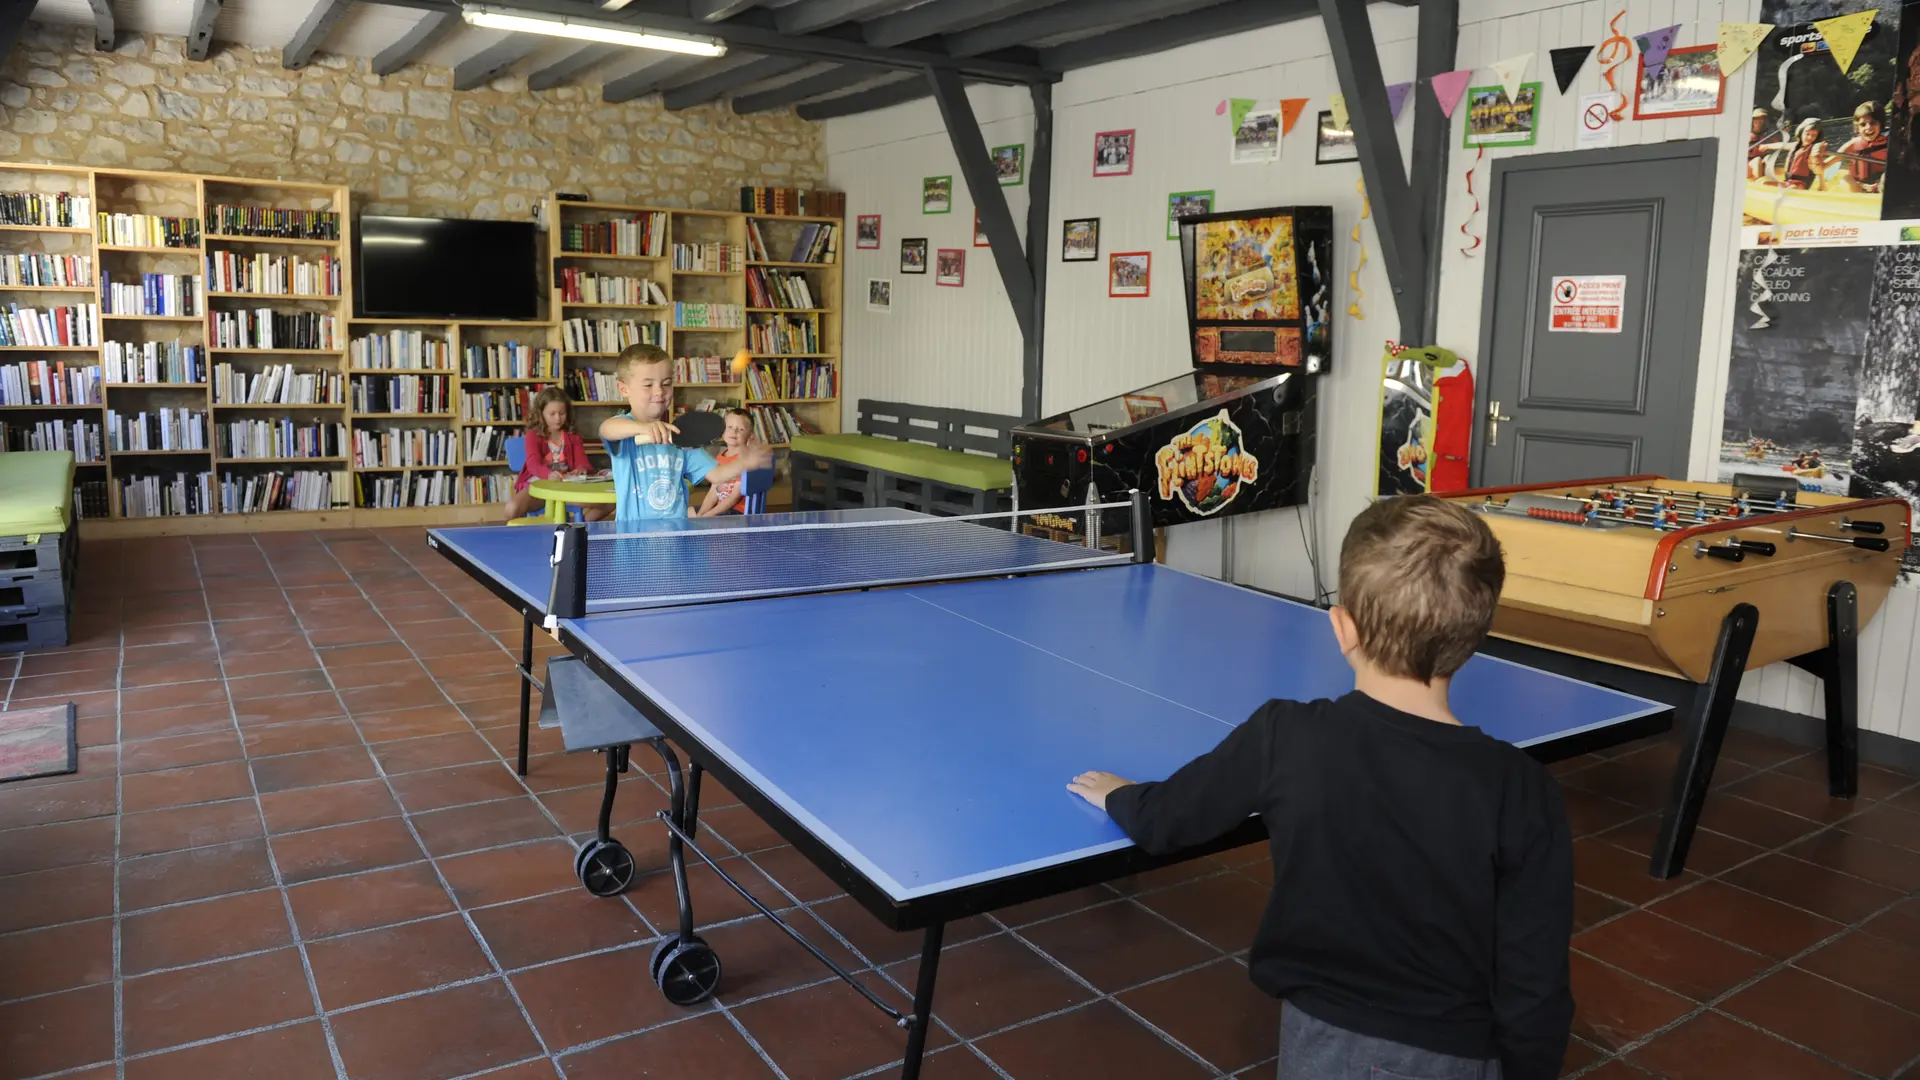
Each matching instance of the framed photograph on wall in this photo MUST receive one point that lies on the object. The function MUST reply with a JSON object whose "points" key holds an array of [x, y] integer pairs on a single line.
{"points": [[936, 195], [880, 295], [1492, 120], [1129, 273], [1333, 144], [867, 232], [1010, 164], [1687, 83], [913, 256], [1186, 204], [1113, 153], [950, 267], [1080, 240], [979, 234]]}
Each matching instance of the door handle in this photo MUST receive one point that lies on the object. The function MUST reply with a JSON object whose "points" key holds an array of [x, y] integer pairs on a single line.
{"points": [[1494, 420]]}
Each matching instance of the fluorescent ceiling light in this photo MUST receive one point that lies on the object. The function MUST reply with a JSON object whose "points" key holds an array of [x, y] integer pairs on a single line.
{"points": [[586, 30]]}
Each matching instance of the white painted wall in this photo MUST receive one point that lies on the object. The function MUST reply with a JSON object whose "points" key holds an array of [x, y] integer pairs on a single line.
{"points": [[961, 347]]}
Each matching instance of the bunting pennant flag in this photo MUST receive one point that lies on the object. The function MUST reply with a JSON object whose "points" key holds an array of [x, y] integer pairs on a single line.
{"points": [[1844, 34], [1510, 71], [1447, 88], [1339, 106], [1289, 112], [1738, 41], [1220, 109], [1655, 43], [1567, 63], [1397, 97]]}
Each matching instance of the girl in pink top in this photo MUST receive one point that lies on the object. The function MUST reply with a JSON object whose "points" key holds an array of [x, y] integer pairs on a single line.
{"points": [[553, 452]]}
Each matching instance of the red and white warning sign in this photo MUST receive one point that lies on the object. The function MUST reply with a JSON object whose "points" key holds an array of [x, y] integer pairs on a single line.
{"points": [[1588, 304]]}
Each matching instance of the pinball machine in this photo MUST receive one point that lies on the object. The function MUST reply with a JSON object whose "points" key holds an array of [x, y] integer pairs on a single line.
{"points": [[1699, 582], [1234, 434]]}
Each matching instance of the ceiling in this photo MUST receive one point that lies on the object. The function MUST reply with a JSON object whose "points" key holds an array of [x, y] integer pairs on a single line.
{"points": [[824, 57]]}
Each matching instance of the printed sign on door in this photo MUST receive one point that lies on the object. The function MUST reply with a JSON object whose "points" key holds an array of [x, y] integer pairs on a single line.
{"points": [[1587, 304]]}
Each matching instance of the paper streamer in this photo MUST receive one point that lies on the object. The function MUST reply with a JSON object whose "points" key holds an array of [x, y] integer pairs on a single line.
{"points": [[1339, 106], [1475, 212], [1353, 275], [1289, 112], [1763, 292], [1447, 88], [1614, 51], [1655, 43], [1397, 97], [1844, 34], [1510, 71], [1738, 40]]}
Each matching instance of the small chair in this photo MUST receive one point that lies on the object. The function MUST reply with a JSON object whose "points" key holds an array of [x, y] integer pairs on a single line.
{"points": [[753, 490], [517, 460]]}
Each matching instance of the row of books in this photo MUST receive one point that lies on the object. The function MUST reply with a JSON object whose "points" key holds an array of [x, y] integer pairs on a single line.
{"points": [[276, 384], [775, 424], [779, 289], [798, 202], [489, 444], [413, 489], [154, 362], [609, 335], [645, 234], [152, 294], [183, 494], [239, 272], [156, 429], [579, 286], [60, 210], [148, 230], [401, 394], [703, 370], [29, 327], [281, 438], [276, 222], [497, 406], [394, 448], [263, 328], [81, 438], [782, 336], [715, 257], [791, 379], [481, 490], [90, 499], [401, 350], [509, 360], [816, 242], [258, 493], [585, 384], [698, 316], [49, 271], [49, 382]]}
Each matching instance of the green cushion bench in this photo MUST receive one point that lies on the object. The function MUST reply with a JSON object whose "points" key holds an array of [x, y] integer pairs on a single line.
{"points": [[38, 546], [936, 461]]}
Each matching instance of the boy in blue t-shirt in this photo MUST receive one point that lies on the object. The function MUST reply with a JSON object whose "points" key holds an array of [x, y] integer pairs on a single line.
{"points": [[650, 473]]}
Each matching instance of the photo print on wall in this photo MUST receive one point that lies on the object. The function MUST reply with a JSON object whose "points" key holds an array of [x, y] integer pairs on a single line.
{"points": [[950, 267], [936, 195], [867, 232], [913, 256], [1080, 240], [1113, 153]]}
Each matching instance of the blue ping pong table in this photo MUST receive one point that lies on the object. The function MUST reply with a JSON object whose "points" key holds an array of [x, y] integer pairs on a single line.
{"points": [[914, 741]]}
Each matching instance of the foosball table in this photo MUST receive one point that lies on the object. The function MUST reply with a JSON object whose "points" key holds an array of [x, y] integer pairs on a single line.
{"points": [[1701, 582]]}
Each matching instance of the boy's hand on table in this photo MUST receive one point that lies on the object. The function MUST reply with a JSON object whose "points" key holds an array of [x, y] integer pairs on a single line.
{"points": [[1096, 786]]}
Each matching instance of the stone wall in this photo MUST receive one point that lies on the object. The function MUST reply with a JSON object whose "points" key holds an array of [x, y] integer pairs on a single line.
{"points": [[405, 144]]}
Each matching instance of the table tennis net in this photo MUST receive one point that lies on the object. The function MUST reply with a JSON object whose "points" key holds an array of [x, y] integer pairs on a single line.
{"points": [[655, 569]]}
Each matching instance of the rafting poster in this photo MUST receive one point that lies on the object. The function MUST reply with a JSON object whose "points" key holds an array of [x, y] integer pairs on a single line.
{"points": [[1818, 143], [1886, 437]]}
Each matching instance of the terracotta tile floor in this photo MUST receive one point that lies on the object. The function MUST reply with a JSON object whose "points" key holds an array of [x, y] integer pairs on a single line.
{"points": [[294, 849]]}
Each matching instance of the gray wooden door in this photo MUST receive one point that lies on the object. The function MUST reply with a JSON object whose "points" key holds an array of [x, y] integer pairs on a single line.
{"points": [[1573, 384]]}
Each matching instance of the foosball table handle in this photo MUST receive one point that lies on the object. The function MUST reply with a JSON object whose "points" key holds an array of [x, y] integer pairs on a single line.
{"points": [[1730, 552], [1874, 527], [1752, 547]]}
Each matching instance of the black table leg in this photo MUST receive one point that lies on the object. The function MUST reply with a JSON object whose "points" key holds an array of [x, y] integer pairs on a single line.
{"points": [[526, 685], [603, 864], [1842, 679], [1706, 730], [922, 1017]]}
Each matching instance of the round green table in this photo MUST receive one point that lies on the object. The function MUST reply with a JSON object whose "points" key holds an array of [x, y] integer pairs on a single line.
{"points": [[559, 493]]}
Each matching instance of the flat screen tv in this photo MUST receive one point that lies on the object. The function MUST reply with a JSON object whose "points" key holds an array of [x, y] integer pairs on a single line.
{"points": [[446, 268]]}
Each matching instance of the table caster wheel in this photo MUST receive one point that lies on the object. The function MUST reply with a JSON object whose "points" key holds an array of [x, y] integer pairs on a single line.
{"points": [[688, 973], [664, 946], [605, 867]]}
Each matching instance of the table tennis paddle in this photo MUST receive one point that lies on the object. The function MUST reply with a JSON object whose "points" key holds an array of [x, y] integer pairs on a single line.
{"points": [[698, 429]]}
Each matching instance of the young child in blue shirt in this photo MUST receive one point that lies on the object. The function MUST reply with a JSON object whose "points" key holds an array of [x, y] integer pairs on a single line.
{"points": [[650, 473]]}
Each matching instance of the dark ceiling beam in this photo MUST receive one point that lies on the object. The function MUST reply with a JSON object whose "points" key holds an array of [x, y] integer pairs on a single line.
{"points": [[431, 28], [878, 97], [1064, 18], [319, 24], [200, 29], [13, 19], [103, 28], [715, 10], [942, 17], [568, 67], [655, 76], [707, 88], [475, 70], [1160, 34], [989, 198], [1438, 41], [810, 15], [779, 97]]}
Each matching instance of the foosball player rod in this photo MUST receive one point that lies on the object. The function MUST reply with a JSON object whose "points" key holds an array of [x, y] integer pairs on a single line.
{"points": [[1865, 543]]}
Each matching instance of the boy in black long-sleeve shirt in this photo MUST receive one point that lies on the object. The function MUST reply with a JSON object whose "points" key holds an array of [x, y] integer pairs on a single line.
{"points": [[1422, 870]]}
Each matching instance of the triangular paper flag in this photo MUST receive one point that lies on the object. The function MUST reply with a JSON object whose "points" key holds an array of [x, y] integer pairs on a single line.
{"points": [[1510, 71], [1220, 109], [1844, 34], [1447, 88], [1567, 63], [1289, 112], [1397, 97], [1339, 105], [1738, 40], [1654, 45]]}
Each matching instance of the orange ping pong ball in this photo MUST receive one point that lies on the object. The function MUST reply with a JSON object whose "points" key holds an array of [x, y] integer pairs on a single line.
{"points": [[741, 360]]}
